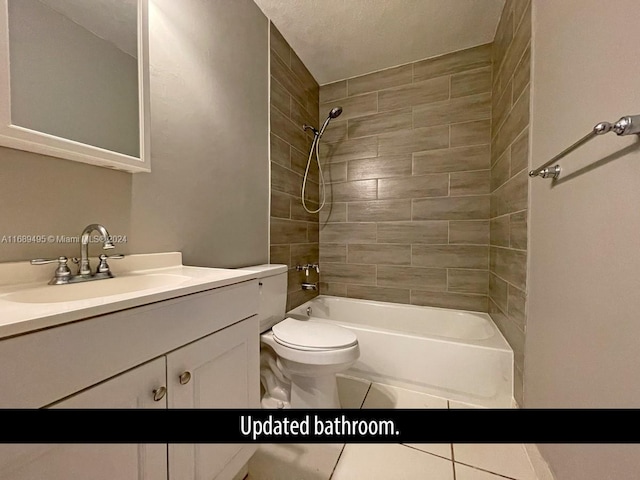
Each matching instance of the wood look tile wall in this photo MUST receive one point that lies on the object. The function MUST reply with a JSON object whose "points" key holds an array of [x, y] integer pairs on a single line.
{"points": [[509, 182], [294, 102], [409, 182]]}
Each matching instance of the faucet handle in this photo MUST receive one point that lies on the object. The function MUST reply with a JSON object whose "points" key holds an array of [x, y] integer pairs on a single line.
{"points": [[115, 256], [103, 266], [45, 261], [62, 273], [306, 268]]}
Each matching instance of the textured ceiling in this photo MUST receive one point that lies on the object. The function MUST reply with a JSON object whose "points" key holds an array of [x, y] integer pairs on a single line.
{"points": [[112, 20], [338, 39]]}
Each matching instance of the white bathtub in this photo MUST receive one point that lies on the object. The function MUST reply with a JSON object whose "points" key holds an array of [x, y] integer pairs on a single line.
{"points": [[450, 353]]}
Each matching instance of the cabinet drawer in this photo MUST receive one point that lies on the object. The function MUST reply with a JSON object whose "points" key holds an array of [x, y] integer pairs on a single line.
{"points": [[42, 367]]}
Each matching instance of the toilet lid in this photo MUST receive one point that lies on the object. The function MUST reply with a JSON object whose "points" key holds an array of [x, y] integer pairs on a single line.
{"points": [[309, 334]]}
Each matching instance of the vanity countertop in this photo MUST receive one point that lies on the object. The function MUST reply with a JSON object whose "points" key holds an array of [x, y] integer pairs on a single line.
{"points": [[20, 280]]}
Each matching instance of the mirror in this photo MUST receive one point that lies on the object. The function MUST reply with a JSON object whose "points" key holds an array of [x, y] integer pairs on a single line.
{"points": [[75, 80]]}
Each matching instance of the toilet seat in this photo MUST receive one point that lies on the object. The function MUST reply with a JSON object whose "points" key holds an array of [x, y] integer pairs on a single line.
{"points": [[312, 336]]}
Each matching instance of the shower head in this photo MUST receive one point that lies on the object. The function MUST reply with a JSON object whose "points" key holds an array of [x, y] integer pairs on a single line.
{"points": [[335, 112], [315, 147]]}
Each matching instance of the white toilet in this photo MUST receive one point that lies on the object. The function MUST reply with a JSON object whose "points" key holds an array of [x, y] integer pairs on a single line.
{"points": [[299, 357]]}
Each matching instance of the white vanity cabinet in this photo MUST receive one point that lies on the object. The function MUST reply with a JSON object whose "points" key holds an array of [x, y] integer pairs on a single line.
{"points": [[102, 461], [196, 378], [197, 351]]}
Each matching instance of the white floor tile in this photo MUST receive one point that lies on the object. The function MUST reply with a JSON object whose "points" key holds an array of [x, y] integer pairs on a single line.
{"points": [[469, 473], [352, 391], [391, 461], [440, 449], [386, 396], [510, 460], [294, 461]]}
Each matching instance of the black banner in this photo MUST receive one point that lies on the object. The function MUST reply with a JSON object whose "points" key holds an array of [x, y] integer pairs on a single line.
{"points": [[320, 426]]}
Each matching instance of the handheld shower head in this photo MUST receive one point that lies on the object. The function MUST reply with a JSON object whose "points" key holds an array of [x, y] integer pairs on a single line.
{"points": [[315, 148], [335, 112]]}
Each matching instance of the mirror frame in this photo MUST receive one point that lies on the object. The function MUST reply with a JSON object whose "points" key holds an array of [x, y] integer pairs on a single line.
{"points": [[21, 138]]}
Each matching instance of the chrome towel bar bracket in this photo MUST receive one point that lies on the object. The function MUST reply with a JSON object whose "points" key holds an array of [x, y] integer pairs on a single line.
{"points": [[629, 125]]}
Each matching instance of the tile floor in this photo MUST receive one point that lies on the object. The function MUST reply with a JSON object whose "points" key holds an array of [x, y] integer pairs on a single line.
{"points": [[390, 461]]}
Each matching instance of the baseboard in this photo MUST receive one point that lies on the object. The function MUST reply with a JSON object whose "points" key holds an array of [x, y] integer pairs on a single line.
{"points": [[539, 464]]}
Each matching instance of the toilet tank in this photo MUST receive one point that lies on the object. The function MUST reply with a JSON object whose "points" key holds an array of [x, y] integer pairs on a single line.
{"points": [[272, 280]]}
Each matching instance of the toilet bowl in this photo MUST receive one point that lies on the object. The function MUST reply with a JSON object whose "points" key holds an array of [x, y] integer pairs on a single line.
{"points": [[310, 354], [299, 357]]}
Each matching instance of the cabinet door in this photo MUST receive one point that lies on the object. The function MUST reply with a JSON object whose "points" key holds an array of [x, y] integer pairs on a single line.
{"points": [[218, 371], [133, 389]]}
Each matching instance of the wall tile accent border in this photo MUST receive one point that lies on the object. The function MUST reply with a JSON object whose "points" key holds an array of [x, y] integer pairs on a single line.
{"points": [[509, 180], [294, 101], [408, 166]]}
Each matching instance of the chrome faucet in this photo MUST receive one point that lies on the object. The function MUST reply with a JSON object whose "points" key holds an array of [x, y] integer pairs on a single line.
{"points": [[85, 268], [63, 275]]}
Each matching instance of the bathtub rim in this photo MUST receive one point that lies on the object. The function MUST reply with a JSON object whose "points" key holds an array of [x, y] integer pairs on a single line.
{"points": [[497, 341]]}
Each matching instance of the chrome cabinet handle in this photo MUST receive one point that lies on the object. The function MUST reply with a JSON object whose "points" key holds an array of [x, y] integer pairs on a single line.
{"points": [[159, 393], [185, 378]]}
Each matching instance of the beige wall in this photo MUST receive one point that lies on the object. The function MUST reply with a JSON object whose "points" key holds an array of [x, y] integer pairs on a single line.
{"points": [[509, 181], [408, 166], [206, 193], [583, 330], [294, 102]]}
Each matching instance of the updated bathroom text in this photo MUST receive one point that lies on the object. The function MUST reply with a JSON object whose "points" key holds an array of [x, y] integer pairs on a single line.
{"points": [[312, 425]]}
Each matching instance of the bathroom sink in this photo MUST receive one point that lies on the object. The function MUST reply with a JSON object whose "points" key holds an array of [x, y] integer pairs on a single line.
{"points": [[28, 303], [95, 289]]}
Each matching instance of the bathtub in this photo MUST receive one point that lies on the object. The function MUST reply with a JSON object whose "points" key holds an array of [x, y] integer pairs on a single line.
{"points": [[449, 353]]}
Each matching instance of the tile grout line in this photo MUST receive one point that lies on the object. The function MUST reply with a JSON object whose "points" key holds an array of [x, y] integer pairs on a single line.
{"points": [[344, 445], [453, 458], [453, 455], [500, 475], [511, 321], [365, 395], [523, 290], [425, 452]]}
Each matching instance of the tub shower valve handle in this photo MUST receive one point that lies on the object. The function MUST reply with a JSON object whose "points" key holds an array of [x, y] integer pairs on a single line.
{"points": [[308, 285], [308, 267], [304, 268]]}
